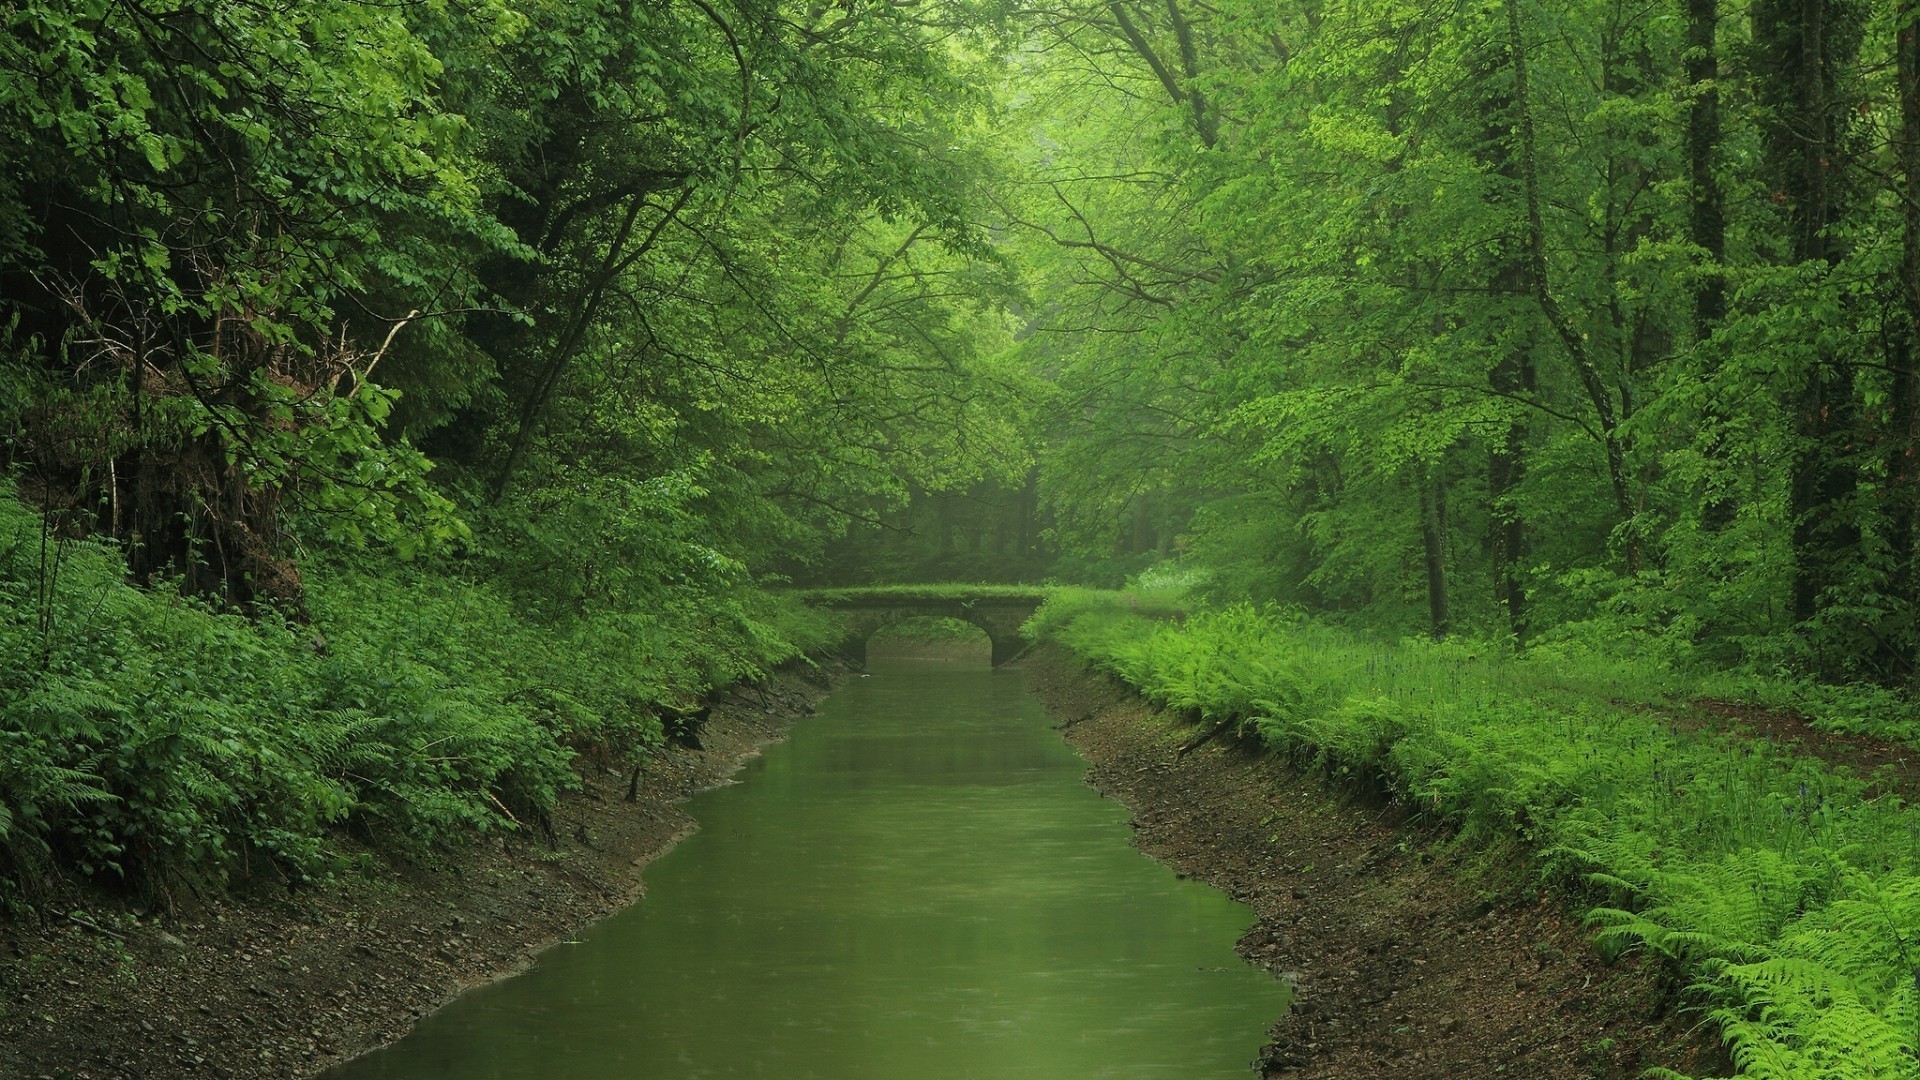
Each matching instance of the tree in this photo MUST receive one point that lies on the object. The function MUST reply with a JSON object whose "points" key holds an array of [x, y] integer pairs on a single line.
{"points": [[208, 198]]}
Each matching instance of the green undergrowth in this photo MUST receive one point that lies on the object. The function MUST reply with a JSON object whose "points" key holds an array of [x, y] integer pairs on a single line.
{"points": [[1069, 602], [151, 742], [1783, 892]]}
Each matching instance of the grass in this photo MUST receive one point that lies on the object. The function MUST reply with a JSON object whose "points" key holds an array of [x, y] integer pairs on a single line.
{"points": [[1784, 894]]}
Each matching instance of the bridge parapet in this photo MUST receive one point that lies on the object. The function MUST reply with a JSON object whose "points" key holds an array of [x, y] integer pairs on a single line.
{"points": [[999, 611]]}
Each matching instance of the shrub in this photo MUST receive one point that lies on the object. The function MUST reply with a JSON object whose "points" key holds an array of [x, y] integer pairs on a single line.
{"points": [[153, 740]]}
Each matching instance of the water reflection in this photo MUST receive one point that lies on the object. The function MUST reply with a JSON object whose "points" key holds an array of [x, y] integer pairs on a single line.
{"points": [[917, 884]]}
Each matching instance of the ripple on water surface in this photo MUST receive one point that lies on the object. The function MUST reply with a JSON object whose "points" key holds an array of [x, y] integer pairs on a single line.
{"points": [[916, 884]]}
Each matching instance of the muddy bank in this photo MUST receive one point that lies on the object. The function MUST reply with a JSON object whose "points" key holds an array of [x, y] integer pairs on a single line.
{"points": [[284, 987], [1411, 959], [1413, 956]]}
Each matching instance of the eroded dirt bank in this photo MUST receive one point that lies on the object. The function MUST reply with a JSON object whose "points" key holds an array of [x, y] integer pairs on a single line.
{"points": [[1408, 962], [285, 987]]}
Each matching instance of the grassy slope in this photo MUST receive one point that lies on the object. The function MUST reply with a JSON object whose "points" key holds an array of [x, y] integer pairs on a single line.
{"points": [[1787, 892]]}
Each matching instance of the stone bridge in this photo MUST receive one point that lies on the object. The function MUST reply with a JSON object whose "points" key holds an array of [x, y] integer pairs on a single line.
{"points": [[998, 610]]}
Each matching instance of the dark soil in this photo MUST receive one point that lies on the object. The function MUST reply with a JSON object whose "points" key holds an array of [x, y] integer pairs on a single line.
{"points": [[284, 987], [1412, 954], [1891, 767]]}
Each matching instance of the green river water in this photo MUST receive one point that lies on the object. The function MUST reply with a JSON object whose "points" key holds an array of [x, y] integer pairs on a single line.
{"points": [[916, 884]]}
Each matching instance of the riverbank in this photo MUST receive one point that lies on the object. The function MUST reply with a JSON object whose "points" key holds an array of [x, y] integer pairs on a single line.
{"points": [[1412, 958], [285, 987]]}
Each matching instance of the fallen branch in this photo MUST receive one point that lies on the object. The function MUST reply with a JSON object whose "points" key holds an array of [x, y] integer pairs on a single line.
{"points": [[495, 800], [81, 920], [1199, 741]]}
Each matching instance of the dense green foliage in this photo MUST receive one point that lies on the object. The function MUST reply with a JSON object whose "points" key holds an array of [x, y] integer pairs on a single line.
{"points": [[1775, 885], [1492, 318], [163, 743], [487, 358], [701, 281], [403, 401]]}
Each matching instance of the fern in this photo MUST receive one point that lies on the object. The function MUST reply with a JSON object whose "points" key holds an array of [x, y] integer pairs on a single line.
{"points": [[1790, 903], [1835, 996]]}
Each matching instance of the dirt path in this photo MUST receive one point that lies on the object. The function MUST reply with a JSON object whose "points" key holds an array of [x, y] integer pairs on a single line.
{"points": [[1889, 768], [1408, 963], [282, 988]]}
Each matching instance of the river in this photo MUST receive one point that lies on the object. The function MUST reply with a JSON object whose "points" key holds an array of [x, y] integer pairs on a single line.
{"points": [[916, 884]]}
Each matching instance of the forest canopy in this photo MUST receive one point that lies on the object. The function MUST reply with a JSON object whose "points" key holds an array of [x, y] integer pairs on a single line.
{"points": [[410, 405], [1504, 320]]}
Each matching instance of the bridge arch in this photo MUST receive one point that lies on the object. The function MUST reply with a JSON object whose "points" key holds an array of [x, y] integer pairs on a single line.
{"points": [[998, 612]]}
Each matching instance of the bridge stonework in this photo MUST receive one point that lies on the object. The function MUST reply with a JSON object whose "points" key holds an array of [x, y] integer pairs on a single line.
{"points": [[999, 618]]}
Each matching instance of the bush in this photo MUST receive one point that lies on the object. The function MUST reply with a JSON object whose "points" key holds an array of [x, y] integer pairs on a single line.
{"points": [[152, 740]]}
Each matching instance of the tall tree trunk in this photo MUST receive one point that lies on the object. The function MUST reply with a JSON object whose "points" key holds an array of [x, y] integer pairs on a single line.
{"points": [[1027, 546], [1707, 224], [1433, 537], [1540, 282], [1802, 50], [1513, 375], [1903, 470]]}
